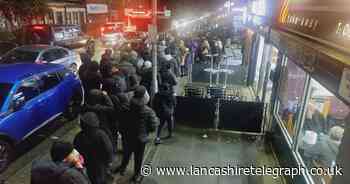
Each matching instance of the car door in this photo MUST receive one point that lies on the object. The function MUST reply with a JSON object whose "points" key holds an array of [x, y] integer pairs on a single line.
{"points": [[25, 118], [48, 87]]}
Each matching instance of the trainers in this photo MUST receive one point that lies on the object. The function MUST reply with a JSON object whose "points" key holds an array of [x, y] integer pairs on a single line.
{"points": [[157, 141]]}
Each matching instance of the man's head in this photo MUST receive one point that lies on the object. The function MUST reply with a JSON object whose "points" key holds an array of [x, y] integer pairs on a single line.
{"points": [[142, 94], [65, 152], [336, 133]]}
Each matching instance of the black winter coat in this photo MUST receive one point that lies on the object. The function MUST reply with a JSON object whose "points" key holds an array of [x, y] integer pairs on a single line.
{"points": [[95, 145], [104, 108], [142, 120], [167, 77], [47, 171], [121, 108], [164, 104]]}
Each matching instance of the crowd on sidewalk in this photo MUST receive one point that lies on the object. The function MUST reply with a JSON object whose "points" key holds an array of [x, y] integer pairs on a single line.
{"points": [[117, 104]]}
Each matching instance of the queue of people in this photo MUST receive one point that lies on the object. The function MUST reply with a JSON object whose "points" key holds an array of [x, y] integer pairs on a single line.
{"points": [[117, 104]]}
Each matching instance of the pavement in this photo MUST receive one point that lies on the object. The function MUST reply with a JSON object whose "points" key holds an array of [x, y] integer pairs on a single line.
{"points": [[187, 148]]}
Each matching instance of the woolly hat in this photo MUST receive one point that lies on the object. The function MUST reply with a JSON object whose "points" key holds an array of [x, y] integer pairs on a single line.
{"points": [[60, 150]]}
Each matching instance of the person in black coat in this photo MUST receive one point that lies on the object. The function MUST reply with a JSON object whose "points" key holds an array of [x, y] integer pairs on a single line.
{"points": [[66, 167], [86, 60], [164, 104], [142, 121], [120, 101], [147, 76], [166, 76], [100, 103], [96, 147], [92, 78]]}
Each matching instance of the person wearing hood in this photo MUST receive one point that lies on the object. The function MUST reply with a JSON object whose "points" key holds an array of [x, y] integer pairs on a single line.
{"points": [[100, 103], [166, 76], [86, 60], [164, 104], [167, 58], [142, 121], [65, 167], [92, 78], [147, 75], [96, 147], [120, 101]]}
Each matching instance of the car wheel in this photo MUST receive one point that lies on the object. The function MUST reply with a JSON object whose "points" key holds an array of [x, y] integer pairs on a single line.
{"points": [[6, 154], [74, 68]]}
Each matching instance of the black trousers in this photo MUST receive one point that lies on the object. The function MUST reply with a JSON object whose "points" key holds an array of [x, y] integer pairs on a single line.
{"points": [[97, 173], [136, 147], [169, 121]]}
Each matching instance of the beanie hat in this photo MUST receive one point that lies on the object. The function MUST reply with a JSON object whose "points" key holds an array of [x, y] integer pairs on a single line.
{"points": [[140, 91], [60, 150], [90, 119]]}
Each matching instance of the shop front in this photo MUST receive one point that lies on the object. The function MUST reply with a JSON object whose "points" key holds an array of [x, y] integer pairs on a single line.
{"points": [[258, 49], [310, 98]]}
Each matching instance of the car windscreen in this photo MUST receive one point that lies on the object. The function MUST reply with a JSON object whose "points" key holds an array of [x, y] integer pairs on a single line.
{"points": [[4, 92], [19, 56]]}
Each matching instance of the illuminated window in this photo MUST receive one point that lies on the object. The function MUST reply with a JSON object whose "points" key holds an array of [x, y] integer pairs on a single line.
{"points": [[322, 132], [291, 91]]}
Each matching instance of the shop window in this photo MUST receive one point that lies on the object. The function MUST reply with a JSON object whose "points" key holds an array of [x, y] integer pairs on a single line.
{"points": [[271, 73], [290, 95], [259, 70], [323, 128]]}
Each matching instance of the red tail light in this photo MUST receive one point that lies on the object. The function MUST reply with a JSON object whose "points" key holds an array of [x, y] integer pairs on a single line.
{"points": [[38, 27]]}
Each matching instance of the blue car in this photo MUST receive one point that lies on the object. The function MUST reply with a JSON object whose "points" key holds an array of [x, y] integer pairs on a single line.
{"points": [[32, 95]]}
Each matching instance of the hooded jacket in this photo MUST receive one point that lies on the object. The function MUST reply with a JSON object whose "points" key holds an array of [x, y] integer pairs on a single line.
{"points": [[103, 106], [141, 121], [164, 102], [47, 171], [92, 142]]}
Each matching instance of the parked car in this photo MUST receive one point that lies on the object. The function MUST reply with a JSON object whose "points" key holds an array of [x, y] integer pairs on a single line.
{"points": [[31, 96], [43, 54], [111, 35], [69, 36], [6, 46]]}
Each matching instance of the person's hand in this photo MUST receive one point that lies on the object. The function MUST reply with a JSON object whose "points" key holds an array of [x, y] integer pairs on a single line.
{"points": [[105, 93]]}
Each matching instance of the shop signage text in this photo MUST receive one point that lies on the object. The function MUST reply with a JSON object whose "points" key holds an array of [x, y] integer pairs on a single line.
{"points": [[322, 20], [96, 8]]}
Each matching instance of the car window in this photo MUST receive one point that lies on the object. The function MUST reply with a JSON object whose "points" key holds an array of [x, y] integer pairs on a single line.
{"points": [[49, 56], [61, 53], [29, 89], [4, 92], [20, 56], [48, 81]]}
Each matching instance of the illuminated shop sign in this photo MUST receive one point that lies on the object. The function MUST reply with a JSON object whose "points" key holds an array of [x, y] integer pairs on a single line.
{"points": [[324, 20]]}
